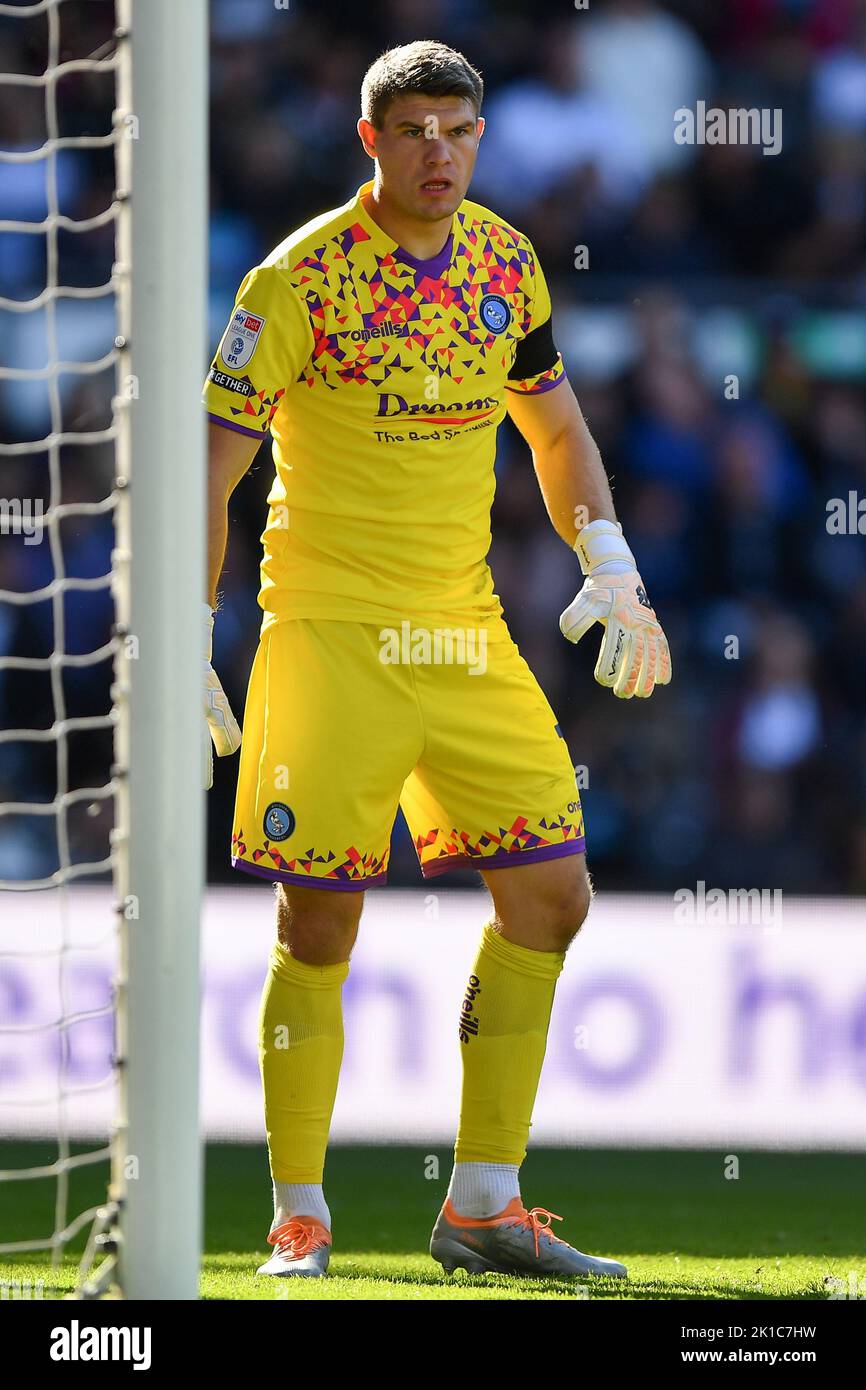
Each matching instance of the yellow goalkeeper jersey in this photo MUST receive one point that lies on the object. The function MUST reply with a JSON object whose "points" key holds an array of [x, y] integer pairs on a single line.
{"points": [[382, 380]]}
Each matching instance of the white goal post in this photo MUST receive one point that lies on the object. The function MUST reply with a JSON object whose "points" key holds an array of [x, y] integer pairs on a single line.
{"points": [[163, 318], [145, 1241]]}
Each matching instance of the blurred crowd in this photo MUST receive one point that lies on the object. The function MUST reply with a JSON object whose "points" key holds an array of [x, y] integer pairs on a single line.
{"points": [[716, 338]]}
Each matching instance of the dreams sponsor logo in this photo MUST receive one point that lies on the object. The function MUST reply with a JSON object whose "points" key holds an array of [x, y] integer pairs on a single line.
{"points": [[390, 404]]}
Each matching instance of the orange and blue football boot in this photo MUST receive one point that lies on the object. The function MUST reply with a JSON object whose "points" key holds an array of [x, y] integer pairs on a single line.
{"points": [[516, 1241]]}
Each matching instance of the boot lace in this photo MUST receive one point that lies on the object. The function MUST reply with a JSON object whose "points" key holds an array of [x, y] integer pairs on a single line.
{"points": [[296, 1238], [533, 1220]]}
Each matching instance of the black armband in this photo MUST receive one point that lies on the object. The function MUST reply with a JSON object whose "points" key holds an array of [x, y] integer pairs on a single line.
{"points": [[536, 353]]}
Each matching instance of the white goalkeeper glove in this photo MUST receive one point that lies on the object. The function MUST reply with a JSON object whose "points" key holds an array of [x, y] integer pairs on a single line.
{"points": [[221, 725], [634, 656]]}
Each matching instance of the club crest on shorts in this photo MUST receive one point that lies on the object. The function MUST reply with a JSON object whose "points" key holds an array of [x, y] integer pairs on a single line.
{"points": [[495, 313], [241, 338], [279, 821]]}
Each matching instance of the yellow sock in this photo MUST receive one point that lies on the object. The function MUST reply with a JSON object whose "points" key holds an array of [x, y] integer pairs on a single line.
{"points": [[300, 1051], [503, 1034]]}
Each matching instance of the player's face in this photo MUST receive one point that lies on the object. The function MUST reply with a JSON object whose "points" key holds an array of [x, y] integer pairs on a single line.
{"points": [[426, 152]]}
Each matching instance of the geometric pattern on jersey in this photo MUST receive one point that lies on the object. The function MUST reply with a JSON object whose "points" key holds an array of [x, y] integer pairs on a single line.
{"points": [[488, 259], [382, 380]]}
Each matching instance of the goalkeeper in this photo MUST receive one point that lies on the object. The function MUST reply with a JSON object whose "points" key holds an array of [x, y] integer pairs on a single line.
{"points": [[380, 346]]}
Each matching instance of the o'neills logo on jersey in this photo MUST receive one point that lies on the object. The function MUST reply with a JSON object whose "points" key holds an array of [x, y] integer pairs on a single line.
{"points": [[391, 405], [468, 1019], [383, 330]]}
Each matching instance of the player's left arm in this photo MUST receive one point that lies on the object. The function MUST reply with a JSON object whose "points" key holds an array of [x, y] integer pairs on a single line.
{"points": [[565, 456], [634, 656]]}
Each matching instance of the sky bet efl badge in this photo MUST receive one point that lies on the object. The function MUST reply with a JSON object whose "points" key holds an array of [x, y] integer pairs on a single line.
{"points": [[241, 339]]}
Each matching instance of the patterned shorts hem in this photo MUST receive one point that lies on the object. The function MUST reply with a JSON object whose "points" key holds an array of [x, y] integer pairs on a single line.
{"points": [[502, 858], [337, 885]]}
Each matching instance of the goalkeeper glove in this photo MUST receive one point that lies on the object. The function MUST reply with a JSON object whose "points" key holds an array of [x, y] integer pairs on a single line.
{"points": [[634, 656], [221, 725]]}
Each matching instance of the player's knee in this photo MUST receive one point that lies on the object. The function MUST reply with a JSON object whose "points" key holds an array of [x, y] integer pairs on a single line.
{"points": [[319, 927], [567, 908], [584, 895]]}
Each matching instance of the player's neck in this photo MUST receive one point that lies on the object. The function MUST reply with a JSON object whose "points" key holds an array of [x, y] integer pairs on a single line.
{"points": [[421, 239]]}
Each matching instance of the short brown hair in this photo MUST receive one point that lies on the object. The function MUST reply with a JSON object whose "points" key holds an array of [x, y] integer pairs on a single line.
{"points": [[428, 67]]}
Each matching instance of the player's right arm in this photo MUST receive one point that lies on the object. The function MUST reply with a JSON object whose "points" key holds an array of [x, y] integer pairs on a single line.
{"points": [[266, 343], [229, 456]]}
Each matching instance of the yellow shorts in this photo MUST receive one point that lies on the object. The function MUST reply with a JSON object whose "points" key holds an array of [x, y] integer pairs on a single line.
{"points": [[343, 724]]}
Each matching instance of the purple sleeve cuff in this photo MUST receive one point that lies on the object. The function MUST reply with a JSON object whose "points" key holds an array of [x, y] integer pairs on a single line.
{"points": [[539, 390], [230, 425]]}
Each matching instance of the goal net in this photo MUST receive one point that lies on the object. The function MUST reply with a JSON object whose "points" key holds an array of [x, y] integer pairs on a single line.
{"points": [[102, 518]]}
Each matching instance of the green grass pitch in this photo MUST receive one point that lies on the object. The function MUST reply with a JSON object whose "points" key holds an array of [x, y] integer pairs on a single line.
{"points": [[686, 1232]]}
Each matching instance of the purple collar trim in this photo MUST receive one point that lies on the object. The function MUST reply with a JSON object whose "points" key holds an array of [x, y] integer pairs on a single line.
{"points": [[435, 267]]}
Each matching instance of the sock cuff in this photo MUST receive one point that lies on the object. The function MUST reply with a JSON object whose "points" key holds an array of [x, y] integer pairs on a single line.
{"points": [[541, 965], [286, 967]]}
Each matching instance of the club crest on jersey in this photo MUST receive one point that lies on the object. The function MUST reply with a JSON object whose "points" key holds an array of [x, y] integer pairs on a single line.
{"points": [[495, 313], [241, 338], [279, 821]]}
